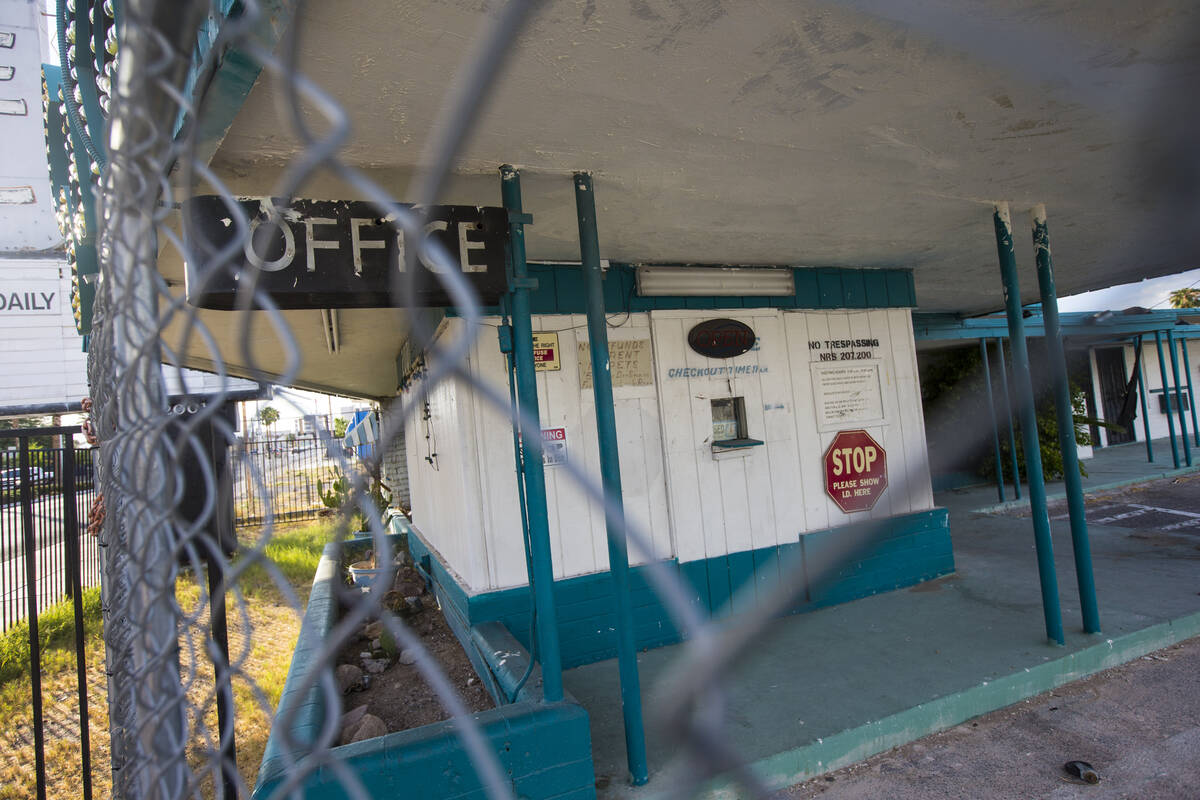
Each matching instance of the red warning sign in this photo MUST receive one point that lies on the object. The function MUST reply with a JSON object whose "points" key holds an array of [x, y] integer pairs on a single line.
{"points": [[855, 471]]}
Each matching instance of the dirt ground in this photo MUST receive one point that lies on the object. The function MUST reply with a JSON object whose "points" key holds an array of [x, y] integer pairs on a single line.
{"points": [[399, 695]]}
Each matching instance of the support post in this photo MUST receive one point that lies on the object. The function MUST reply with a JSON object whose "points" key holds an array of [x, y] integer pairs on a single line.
{"points": [[987, 382], [610, 473], [1008, 412], [1141, 376], [1183, 429], [1023, 389], [1162, 368], [542, 579], [1065, 414], [1187, 371]]}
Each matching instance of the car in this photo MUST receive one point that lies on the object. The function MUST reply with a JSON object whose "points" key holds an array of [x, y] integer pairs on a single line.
{"points": [[10, 479]]}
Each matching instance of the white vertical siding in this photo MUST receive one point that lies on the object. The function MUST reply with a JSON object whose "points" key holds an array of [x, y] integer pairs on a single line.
{"points": [[691, 504]]}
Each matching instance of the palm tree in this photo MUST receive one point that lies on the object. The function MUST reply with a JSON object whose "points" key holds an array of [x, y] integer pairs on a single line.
{"points": [[268, 416], [1185, 298]]}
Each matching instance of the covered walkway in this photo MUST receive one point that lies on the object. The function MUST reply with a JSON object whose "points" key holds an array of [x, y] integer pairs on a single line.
{"points": [[838, 684]]}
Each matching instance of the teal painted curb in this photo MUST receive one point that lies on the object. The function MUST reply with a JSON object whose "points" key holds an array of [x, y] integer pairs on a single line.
{"points": [[1104, 487], [544, 748], [854, 745]]}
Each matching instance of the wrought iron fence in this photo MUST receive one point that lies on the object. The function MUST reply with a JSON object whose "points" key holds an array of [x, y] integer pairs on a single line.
{"points": [[297, 473], [53, 503]]}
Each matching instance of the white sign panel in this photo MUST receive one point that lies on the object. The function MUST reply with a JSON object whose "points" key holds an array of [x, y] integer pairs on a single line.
{"points": [[846, 394], [554, 446]]}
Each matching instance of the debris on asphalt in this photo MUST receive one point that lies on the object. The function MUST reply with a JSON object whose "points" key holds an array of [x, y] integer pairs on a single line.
{"points": [[1082, 770]]}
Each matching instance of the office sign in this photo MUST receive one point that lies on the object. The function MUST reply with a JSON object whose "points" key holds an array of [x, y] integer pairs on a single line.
{"points": [[721, 338], [339, 253]]}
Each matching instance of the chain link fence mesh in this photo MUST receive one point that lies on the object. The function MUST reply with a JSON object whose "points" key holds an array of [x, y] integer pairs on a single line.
{"points": [[161, 643]]}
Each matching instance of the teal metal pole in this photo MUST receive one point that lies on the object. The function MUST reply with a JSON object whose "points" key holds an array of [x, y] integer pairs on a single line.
{"points": [[542, 578], [1183, 431], [1187, 371], [1141, 376], [1162, 368], [987, 382], [1012, 429], [610, 474], [1065, 414], [1023, 389]]}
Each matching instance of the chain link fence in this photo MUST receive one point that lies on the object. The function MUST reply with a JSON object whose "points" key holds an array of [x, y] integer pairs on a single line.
{"points": [[169, 681]]}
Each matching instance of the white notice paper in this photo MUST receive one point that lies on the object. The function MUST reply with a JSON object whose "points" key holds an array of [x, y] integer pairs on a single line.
{"points": [[846, 394]]}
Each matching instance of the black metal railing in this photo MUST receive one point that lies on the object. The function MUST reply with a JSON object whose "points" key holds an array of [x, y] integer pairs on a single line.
{"points": [[45, 493], [281, 476]]}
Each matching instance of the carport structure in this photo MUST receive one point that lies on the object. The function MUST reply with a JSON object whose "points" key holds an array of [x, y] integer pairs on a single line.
{"points": [[843, 159]]}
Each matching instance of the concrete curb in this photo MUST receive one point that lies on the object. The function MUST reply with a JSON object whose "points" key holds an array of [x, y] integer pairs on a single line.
{"points": [[851, 746], [1009, 505]]}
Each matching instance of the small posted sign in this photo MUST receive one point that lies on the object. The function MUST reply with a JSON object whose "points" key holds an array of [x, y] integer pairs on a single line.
{"points": [[545, 352], [554, 446]]}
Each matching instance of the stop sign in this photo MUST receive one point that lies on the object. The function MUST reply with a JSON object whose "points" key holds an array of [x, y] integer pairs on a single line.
{"points": [[855, 471]]}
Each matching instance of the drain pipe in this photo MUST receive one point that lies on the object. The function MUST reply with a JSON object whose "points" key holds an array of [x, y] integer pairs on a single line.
{"points": [[1066, 421], [542, 577], [1023, 389], [610, 473]]}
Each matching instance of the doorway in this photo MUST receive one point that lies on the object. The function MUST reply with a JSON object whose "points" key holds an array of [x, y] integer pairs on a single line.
{"points": [[1110, 368]]}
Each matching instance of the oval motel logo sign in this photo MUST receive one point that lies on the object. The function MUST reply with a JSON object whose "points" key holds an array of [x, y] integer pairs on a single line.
{"points": [[721, 338]]}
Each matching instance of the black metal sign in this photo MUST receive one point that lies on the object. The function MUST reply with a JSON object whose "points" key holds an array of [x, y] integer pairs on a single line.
{"points": [[721, 338], [339, 253]]}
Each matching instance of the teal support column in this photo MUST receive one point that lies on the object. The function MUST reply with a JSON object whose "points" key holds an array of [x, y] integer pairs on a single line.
{"points": [[987, 382], [542, 579], [1065, 414], [610, 473], [1162, 368], [1187, 371], [1183, 430], [1023, 390], [1141, 376], [1012, 429]]}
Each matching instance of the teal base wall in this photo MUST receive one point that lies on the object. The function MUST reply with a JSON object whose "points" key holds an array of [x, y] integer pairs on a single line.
{"points": [[904, 550], [544, 749]]}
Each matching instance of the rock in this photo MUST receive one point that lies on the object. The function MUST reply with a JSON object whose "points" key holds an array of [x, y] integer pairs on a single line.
{"points": [[470, 681], [376, 645], [372, 630], [349, 677], [351, 719], [408, 657], [375, 665], [414, 605], [368, 728]]}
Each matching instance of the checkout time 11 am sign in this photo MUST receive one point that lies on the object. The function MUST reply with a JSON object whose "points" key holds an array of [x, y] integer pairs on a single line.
{"points": [[855, 471]]}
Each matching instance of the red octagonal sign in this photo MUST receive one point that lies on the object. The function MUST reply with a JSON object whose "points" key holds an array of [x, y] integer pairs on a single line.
{"points": [[855, 471]]}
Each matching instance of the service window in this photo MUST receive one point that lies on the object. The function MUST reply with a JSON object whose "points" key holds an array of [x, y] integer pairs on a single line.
{"points": [[728, 419]]}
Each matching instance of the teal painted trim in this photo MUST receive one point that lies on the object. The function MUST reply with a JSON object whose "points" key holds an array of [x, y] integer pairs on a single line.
{"points": [[545, 748], [224, 91], [1065, 415], [851, 746], [561, 291], [991, 399], [1023, 391], [1012, 429], [941, 327], [909, 549]]}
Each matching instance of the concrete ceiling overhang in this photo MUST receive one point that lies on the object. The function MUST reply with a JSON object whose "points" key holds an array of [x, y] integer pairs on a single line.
{"points": [[865, 133]]}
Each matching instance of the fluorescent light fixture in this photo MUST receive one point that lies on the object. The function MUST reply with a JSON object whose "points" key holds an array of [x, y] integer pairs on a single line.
{"points": [[714, 281]]}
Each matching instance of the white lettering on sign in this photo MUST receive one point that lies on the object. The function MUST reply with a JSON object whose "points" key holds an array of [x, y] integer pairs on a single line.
{"points": [[28, 301], [255, 239], [314, 243], [854, 459], [358, 245]]}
